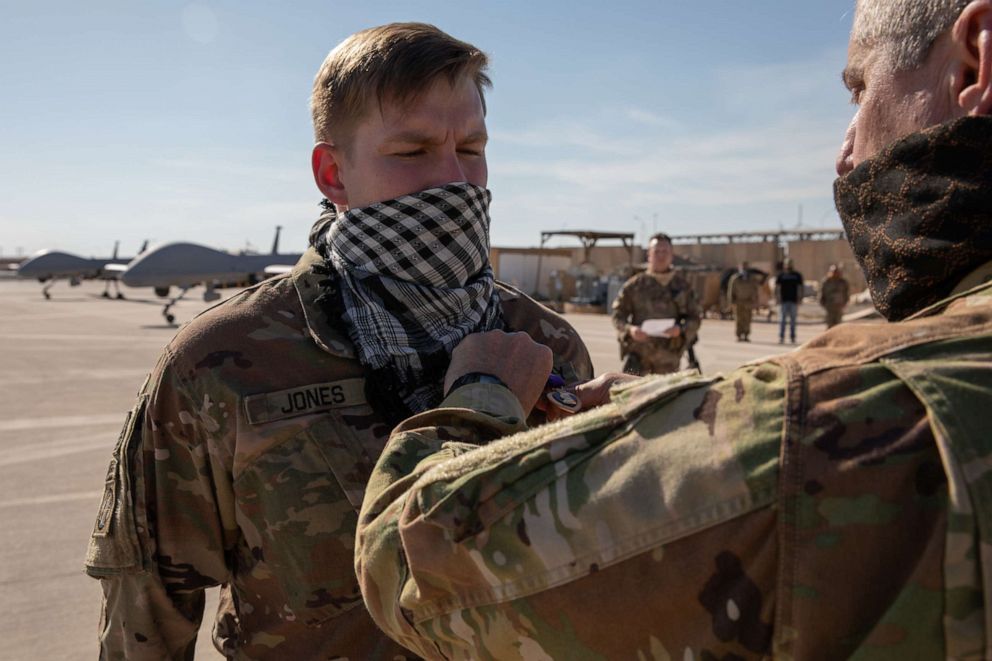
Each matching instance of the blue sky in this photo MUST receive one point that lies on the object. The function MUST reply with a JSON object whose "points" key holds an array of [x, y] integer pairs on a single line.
{"points": [[189, 121]]}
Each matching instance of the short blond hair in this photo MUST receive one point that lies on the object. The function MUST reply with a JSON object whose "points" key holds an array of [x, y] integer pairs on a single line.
{"points": [[396, 63], [906, 28]]}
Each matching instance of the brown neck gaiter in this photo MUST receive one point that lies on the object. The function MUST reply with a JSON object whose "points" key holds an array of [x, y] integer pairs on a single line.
{"points": [[919, 214]]}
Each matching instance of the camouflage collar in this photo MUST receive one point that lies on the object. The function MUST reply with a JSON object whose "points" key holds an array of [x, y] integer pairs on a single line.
{"points": [[308, 288], [980, 276], [307, 282], [976, 281], [664, 278]]}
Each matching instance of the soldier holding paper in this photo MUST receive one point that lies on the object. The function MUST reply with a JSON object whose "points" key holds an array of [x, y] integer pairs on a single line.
{"points": [[656, 314]]}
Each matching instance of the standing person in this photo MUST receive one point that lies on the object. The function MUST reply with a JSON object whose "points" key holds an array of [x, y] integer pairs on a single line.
{"points": [[743, 293], [834, 292], [789, 294], [660, 293], [833, 502], [246, 456]]}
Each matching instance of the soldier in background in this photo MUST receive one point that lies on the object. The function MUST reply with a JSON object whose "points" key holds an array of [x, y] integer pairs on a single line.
{"points": [[833, 502], [245, 458], [743, 293], [834, 292], [659, 293]]}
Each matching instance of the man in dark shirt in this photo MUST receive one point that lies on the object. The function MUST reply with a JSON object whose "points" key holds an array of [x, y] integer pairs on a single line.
{"points": [[788, 293]]}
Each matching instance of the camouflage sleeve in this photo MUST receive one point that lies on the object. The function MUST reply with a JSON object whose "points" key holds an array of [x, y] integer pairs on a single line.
{"points": [[692, 315], [160, 534], [623, 309], [573, 362], [731, 294], [469, 416], [571, 357], [537, 545]]}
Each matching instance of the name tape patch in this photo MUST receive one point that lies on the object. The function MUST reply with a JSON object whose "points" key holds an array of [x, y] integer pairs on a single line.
{"points": [[304, 400]]}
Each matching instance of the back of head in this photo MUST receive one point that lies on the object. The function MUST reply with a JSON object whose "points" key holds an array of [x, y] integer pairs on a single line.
{"points": [[907, 28], [395, 63]]}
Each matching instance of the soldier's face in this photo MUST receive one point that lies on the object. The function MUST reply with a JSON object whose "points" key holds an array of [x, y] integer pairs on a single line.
{"points": [[952, 82], [891, 103], [660, 256], [438, 138]]}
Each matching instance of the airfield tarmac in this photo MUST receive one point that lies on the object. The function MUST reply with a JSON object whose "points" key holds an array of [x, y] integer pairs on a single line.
{"points": [[72, 366]]}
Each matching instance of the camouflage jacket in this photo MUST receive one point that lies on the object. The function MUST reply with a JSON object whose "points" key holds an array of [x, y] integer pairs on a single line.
{"points": [[832, 503], [243, 463], [834, 292], [645, 297], [743, 290]]}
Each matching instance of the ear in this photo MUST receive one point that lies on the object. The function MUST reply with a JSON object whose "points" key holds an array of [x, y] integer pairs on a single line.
{"points": [[972, 32], [326, 164]]}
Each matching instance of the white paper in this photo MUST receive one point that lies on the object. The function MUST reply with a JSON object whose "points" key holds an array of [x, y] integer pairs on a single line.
{"points": [[657, 327]]}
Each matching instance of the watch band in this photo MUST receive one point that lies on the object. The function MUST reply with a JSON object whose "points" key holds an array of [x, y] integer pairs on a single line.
{"points": [[474, 377]]}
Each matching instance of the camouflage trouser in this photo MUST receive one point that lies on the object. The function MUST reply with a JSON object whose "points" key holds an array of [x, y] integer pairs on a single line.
{"points": [[742, 315], [651, 362], [835, 315]]}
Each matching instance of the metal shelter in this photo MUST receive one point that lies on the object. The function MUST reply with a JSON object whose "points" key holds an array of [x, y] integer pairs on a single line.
{"points": [[588, 239], [779, 236]]}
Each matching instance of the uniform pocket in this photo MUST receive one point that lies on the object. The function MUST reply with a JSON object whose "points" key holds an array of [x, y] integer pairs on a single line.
{"points": [[114, 546], [296, 516], [351, 441]]}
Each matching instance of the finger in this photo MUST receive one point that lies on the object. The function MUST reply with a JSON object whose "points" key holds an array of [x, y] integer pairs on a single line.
{"points": [[597, 392], [531, 373]]}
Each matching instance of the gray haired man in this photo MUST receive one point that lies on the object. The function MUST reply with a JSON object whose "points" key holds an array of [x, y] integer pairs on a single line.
{"points": [[834, 502]]}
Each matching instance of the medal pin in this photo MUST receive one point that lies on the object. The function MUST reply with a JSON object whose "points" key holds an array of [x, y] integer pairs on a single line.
{"points": [[562, 398]]}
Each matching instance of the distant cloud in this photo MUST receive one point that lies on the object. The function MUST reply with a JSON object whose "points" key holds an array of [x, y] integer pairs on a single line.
{"points": [[783, 87], [234, 167], [564, 133], [200, 23], [648, 118], [782, 158], [776, 153]]}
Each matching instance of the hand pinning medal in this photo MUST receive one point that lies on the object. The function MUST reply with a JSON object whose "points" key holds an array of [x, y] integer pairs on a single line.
{"points": [[562, 398]]}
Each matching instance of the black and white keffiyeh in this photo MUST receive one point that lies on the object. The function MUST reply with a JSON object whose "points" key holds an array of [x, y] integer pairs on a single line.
{"points": [[414, 279]]}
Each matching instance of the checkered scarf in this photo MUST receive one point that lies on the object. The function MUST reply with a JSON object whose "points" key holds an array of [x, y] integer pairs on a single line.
{"points": [[414, 279]]}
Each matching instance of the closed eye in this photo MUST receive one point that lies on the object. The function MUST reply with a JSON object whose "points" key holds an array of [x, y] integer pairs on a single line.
{"points": [[854, 81]]}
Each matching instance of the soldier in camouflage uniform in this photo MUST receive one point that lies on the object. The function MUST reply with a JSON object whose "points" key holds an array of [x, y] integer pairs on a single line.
{"points": [[245, 458], [743, 294], [659, 293], [831, 503], [834, 292]]}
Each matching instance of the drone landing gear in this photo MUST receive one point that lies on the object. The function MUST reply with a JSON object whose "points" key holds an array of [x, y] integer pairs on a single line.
{"points": [[117, 288], [169, 317], [44, 290]]}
